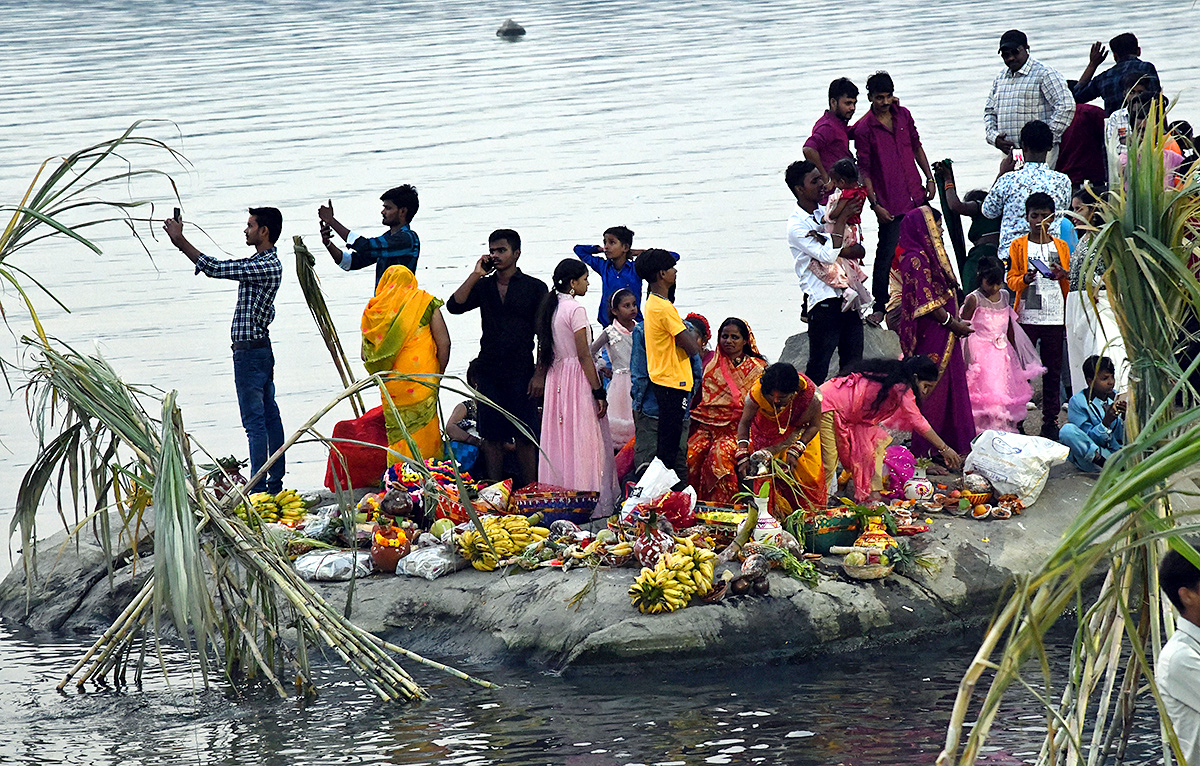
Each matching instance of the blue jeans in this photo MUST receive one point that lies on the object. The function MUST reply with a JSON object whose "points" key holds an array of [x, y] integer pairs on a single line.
{"points": [[254, 377]]}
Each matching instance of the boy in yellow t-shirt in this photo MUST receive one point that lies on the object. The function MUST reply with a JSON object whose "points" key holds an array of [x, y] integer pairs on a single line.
{"points": [[668, 348]]}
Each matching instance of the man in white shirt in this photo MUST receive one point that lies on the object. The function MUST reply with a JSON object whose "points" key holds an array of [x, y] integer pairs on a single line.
{"points": [[830, 327], [1177, 672]]}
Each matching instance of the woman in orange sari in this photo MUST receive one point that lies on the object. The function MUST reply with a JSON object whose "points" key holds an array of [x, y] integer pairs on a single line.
{"points": [[404, 332], [781, 421], [728, 375]]}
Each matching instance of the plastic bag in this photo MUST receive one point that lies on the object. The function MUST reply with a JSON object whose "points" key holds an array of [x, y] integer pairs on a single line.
{"points": [[1014, 463], [431, 563], [657, 480], [334, 566]]}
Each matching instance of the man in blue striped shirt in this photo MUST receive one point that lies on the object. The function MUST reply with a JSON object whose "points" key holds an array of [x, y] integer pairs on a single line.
{"points": [[258, 279], [398, 246]]}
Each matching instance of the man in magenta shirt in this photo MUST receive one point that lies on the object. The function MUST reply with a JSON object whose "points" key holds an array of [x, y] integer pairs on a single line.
{"points": [[830, 139], [889, 153]]}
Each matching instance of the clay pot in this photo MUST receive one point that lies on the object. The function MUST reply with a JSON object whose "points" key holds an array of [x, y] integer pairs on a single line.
{"points": [[386, 557]]}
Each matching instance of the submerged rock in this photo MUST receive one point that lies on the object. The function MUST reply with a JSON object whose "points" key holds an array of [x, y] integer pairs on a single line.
{"points": [[510, 28]]}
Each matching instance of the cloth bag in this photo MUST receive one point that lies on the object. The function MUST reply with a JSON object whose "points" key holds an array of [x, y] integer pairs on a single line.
{"points": [[1014, 463], [366, 463]]}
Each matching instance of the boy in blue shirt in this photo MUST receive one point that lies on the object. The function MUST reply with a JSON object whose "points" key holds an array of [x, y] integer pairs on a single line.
{"points": [[1095, 426], [615, 268]]}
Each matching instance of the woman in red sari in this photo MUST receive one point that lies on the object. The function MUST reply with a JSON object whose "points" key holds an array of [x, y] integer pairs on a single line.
{"points": [[782, 420], [728, 375], [923, 311]]}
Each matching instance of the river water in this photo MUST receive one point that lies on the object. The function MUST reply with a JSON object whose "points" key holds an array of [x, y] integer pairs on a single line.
{"points": [[675, 119]]}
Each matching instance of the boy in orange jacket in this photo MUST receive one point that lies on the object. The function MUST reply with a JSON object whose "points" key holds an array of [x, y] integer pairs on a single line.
{"points": [[1036, 261]]}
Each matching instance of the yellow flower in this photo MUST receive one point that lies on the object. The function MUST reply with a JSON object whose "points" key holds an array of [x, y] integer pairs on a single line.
{"points": [[987, 539]]}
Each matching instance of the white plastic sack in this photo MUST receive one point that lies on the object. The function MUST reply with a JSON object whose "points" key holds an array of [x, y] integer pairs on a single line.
{"points": [[1015, 463], [431, 563], [332, 566], [655, 481]]}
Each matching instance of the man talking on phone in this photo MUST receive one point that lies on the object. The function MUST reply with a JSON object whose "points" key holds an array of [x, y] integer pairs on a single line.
{"points": [[258, 279], [508, 301]]}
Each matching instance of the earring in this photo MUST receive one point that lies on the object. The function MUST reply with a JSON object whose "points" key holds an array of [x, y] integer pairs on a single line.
{"points": [[572, 292]]}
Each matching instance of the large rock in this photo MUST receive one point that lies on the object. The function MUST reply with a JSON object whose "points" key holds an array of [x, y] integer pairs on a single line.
{"points": [[526, 616], [878, 343]]}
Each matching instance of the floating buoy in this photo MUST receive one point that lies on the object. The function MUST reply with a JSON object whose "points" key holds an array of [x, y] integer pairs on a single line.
{"points": [[510, 28]]}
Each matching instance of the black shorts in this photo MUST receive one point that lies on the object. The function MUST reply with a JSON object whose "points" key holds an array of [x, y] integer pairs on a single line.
{"points": [[512, 395]]}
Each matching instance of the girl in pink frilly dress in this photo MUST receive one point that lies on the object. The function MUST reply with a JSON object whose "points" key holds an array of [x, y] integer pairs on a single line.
{"points": [[1001, 361]]}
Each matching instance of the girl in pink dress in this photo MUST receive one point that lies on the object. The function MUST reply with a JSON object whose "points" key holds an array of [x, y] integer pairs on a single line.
{"points": [[576, 446], [1001, 361]]}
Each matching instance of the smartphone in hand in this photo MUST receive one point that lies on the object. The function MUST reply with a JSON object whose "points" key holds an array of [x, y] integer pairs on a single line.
{"points": [[1042, 268], [178, 215]]}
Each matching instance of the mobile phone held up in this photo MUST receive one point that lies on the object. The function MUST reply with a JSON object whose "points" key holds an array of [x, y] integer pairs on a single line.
{"points": [[489, 263], [178, 215], [1018, 156], [1042, 268]]}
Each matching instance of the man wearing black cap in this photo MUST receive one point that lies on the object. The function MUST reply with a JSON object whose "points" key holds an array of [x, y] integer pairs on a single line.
{"points": [[1026, 90]]}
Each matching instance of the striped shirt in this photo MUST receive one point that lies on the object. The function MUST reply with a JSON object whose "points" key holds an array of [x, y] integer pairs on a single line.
{"points": [[1033, 92], [258, 279]]}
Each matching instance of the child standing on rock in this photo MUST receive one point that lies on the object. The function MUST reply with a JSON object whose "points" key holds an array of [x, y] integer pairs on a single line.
{"points": [[617, 338], [1000, 359]]}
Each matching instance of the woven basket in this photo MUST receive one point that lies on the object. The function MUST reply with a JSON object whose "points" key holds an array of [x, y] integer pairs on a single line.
{"points": [[868, 571], [977, 498], [554, 504]]}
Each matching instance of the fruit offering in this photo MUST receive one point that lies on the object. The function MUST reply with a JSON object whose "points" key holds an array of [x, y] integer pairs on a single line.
{"points": [[677, 576], [509, 536]]}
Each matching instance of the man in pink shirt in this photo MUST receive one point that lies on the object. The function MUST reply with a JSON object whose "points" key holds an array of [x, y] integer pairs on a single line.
{"points": [[830, 139], [889, 153]]}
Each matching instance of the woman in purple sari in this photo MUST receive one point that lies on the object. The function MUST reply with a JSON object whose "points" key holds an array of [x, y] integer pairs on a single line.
{"points": [[924, 312]]}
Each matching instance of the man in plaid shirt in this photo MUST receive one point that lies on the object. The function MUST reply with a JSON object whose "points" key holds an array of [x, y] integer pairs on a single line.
{"points": [[258, 279], [398, 246], [1026, 90]]}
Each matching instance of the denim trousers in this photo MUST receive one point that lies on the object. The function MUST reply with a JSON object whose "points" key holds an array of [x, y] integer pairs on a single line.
{"points": [[254, 377]]}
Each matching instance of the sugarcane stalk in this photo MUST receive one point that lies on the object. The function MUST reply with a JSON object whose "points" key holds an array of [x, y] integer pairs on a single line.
{"points": [[133, 607], [310, 285], [431, 663]]}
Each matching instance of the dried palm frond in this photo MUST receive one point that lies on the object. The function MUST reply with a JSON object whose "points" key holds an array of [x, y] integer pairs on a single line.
{"points": [[225, 587], [1148, 251]]}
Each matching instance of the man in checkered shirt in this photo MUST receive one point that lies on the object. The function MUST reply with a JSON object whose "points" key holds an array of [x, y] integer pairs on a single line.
{"points": [[258, 279], [1026, 90]]}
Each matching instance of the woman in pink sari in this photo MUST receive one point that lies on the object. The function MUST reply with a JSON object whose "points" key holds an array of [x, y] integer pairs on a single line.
{"points": [[856, 407], [923, 311]]}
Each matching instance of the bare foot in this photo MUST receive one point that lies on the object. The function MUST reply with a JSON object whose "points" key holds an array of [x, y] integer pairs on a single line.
{"points": [[876, 318]]}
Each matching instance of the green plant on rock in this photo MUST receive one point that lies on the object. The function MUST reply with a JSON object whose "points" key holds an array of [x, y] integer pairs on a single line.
{"points": [[1148, 252]]}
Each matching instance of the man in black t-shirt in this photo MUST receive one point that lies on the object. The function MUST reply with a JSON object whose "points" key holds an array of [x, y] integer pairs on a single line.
{"points": [[508, 301]]}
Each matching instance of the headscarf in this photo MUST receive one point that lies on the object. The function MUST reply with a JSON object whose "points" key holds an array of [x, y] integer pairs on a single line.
{"points": [[926, 276], [397, 310]]}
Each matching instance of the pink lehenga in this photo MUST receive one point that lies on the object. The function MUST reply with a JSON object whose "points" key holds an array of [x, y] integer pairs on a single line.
{"points": [[999, 369]]}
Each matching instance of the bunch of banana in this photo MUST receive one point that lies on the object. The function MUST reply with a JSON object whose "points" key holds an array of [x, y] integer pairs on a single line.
{"points": [[265, 506], [291, 506], [657, 590], [509, 536], [703, 565]]}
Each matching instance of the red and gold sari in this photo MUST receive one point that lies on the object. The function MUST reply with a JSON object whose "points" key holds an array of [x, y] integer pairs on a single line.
{"points": [[710, 453]]}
